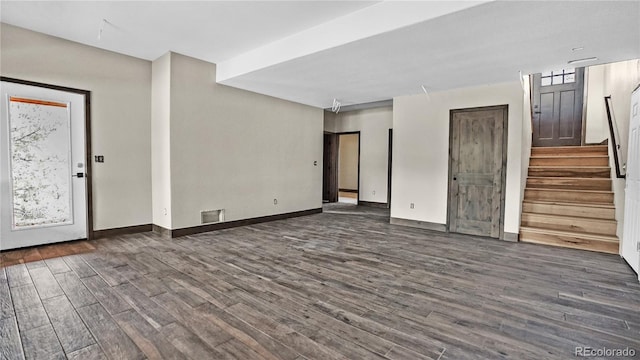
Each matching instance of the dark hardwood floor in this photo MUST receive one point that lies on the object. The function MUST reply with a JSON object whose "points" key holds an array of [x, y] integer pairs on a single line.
{"points": [[344, 284]]}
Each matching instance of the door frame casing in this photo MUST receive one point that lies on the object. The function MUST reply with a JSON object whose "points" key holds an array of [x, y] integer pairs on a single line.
{"points": [[87, 128], [505, 119]]}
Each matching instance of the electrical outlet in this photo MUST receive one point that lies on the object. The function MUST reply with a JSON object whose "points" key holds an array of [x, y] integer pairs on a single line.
{"points": [[275, 201], [411, 206]]}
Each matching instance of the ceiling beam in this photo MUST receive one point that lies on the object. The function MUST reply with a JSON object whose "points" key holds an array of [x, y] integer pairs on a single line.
{"points": [[370, 21]]}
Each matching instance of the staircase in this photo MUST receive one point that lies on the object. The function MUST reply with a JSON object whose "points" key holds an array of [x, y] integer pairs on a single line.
{"points": [[568, 200]]}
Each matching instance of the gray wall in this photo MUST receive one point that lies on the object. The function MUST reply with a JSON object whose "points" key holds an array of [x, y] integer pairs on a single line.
{"points": [[237, 150], [374, 125], [421, 150], [120, 114], [213, 146]]}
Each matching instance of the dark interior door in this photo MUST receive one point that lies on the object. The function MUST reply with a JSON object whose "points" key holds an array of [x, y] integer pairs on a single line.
{"points": [[557, 108], [389, 163], [477, 171], [330, 168]]}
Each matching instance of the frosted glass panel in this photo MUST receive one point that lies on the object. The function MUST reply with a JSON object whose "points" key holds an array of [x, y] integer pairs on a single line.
{"points": [[39, 156], [557, 80], [558, 77]]}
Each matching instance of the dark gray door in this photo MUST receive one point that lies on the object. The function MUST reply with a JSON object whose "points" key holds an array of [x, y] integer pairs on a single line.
{"points": [[557, 108], [330, 168], [477, 159]]}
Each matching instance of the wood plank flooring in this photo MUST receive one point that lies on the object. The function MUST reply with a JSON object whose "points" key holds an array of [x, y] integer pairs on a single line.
{"points": [[344, 284]]}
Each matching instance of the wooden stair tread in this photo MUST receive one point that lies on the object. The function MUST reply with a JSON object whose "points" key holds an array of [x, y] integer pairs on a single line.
{"points": [[568, 217], [581, 210], [569, 160], [572, 190], [586, 148], [539, 181], [570, 146], [570, 171], [597, 237], [567, 178], [596, 172], [548, 156], [569, 239], [577, 224], [595, 205], [557, 167], [569, 195]]}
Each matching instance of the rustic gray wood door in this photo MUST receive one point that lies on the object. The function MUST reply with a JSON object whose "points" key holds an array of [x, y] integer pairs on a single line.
{"points": [[477, 158]]}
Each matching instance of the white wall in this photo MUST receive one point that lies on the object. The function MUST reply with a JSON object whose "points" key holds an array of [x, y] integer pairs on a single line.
{"points": [[236, 150], [161, 141], [120, 115], [596, 126], [374, 125], [619, 81], [420, 159], [348, 162]]}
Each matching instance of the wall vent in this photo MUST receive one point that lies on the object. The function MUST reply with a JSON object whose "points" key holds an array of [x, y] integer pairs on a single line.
{"points": [[211, 216]]}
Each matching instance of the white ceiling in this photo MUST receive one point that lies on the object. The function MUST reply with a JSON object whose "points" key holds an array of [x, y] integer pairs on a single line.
{"points": [[486, 44], [209, 30], [314, 51]]}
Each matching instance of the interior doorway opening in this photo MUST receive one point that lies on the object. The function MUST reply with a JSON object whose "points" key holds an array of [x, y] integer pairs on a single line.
{"points": [[341, 179], [349, 168]]}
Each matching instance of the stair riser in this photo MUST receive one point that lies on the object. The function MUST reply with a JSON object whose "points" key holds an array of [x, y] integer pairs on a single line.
{"points": [[574, 196], [569, 161], [570, 183], [570, 242], [569, 210], [570, 151], [570, 172], [567, 224]]}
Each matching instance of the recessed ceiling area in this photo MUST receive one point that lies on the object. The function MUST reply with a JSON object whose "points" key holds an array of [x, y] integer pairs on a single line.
{"points": [[358, 52]]}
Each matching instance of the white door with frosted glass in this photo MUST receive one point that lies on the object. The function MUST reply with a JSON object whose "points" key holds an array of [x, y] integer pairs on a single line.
{"points": [[42, 166], [631, 232]]}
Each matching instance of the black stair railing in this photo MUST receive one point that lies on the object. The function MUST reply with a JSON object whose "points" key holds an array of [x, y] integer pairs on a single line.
{"points": [[615, 139]]}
